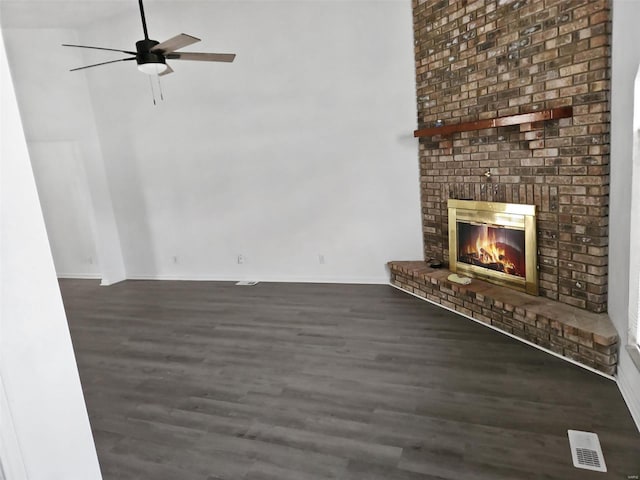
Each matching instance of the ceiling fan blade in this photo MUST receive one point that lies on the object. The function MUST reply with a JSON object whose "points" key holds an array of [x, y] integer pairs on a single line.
{"points": [[174, 43], [167, 71], [203, 57], [102, 63], [100, 48]]}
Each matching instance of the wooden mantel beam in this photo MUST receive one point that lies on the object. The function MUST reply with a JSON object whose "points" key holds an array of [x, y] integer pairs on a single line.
{"points": [[560, 112]]}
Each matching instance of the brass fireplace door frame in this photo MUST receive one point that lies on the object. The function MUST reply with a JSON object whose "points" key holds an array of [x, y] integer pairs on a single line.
{"points": [[496, 214]]}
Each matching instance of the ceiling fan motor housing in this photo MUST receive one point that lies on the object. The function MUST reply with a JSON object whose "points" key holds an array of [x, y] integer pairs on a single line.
{"points": [[145, 55]]}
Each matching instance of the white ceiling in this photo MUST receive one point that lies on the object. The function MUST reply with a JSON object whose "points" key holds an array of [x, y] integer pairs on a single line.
{"points": [[79, 13], [59, 13], [70, 13]]}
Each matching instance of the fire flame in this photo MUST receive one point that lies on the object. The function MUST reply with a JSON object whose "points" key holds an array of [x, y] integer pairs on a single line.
{"points": [[489, 250]]}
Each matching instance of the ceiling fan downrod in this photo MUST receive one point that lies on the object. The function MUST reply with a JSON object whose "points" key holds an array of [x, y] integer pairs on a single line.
{"points": [[144, 20]]}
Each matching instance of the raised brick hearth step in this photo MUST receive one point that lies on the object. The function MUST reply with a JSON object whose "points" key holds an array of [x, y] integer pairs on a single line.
{"points": [[585, 337]]}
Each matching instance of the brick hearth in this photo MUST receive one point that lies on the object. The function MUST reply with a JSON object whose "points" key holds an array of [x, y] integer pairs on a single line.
{"points": [[585, 337]]}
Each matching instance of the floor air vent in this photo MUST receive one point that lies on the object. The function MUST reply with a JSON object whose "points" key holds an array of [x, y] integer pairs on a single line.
{"points": [[248, 283], [586, 451]]}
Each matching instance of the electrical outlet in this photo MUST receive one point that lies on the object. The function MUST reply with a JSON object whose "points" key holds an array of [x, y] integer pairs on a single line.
{"points": [[321, 259], [241, 259], [90, 260]]}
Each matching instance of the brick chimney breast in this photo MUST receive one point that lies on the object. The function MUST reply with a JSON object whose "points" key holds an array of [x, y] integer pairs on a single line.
{"points": [[486, 59]]}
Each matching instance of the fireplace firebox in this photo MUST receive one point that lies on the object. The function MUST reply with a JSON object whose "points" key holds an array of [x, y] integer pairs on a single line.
{"points": [[495, 242]]}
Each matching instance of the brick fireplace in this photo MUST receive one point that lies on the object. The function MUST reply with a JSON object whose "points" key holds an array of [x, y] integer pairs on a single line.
{"points": [[485, 59]]}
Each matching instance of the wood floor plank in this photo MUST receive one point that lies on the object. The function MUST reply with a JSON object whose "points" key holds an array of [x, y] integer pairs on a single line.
{"points": [[211, 381]]}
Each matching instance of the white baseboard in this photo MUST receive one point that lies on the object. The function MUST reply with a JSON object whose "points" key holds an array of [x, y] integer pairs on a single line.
{"points": [[628, 380], [550, 352], [80, 276], [383, 280]]}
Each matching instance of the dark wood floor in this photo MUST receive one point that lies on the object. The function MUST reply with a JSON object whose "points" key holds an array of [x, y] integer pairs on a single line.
{"points": [[205, 380]]}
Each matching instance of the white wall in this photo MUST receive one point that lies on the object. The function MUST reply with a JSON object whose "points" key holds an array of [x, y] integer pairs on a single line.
{"points": [[41, 394], [66, 204], [57, 111], [302, 147], [623, 228]]}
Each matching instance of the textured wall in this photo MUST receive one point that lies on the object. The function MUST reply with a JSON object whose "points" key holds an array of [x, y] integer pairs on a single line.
{"points": [[59, 124], [485, 59], [294, 151]]}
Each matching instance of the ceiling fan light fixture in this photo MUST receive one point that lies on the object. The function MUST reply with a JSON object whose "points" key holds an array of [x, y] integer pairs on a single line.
{"points": [[152, 68]]}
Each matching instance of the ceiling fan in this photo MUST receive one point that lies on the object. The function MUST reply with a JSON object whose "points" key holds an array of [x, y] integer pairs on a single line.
{"points": [[151, 55]]}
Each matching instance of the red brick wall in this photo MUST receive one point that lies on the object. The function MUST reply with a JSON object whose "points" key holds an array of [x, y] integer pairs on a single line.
{"points": [[490, 58]]}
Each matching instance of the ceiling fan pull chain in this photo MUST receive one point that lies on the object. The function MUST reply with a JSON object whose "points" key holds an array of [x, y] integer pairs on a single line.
{"points": [[153, 93], [160, 87]]}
